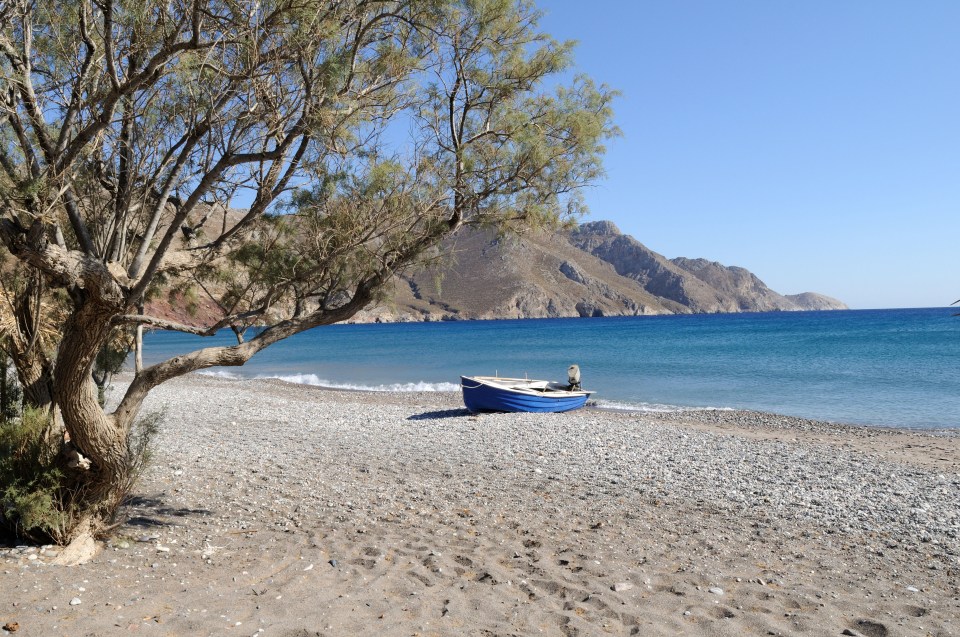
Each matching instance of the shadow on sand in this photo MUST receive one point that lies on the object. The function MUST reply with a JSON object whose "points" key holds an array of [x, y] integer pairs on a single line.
{"points": [[443, 413], [146, 512]]}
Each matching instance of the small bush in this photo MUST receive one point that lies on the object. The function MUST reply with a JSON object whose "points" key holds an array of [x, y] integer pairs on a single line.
{"points": [[40, 501], [32, 495], [139, 453]]}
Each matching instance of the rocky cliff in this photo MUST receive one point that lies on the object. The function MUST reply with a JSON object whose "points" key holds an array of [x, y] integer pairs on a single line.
{"points": [[814, 301], [593, 270]]}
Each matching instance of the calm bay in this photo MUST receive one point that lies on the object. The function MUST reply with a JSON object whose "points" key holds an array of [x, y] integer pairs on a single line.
{"points": [[896, 367]]}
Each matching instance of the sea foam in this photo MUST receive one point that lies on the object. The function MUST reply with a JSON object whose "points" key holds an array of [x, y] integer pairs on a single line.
{"points": [[611, 405], [316, 381]]}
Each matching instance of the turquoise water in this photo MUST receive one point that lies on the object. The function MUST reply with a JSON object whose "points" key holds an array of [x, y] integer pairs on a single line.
{"points": [[874, 367]]}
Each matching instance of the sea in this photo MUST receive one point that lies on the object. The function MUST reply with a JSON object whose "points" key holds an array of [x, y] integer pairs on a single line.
{"points": [[898, 367]]}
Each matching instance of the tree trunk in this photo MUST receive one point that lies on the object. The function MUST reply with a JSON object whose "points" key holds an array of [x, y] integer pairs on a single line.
{"points": [[33, 372], [138, 351], [4, 386], [96, 435], [82, 548], [29, 359]]}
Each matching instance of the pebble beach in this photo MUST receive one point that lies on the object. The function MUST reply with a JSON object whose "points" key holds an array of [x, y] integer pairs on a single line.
{"points": [[284, 510]]}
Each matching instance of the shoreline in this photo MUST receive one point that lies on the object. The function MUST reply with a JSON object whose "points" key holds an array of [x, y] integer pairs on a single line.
{"points": [[770, 372], [669, 412], [296, 510]]}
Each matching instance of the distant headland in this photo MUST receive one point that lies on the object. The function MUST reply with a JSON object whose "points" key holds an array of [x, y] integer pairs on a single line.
{"points": [[592, 270]]}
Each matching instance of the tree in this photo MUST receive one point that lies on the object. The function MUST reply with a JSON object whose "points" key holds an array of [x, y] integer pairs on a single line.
{"points": [[356, 133]]}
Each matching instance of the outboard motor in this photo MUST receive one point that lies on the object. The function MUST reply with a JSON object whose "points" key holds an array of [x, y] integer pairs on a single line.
{"points": [[573, 378]]}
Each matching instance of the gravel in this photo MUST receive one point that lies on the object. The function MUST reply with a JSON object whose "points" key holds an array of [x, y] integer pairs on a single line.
{"points": [[295, 452], [240, 453]]}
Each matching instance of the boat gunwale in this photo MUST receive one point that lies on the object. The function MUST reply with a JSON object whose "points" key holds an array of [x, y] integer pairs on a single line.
{"points": [[548, 387]]}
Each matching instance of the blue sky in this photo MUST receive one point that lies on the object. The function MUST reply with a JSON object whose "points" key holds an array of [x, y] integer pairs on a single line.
{"points": [[814, 143]]}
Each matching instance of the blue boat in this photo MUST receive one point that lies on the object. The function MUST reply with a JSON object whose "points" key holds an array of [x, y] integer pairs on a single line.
{"points": [[492, 393]]}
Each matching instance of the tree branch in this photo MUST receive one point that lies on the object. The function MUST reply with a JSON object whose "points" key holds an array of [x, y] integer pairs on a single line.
{"points": [[62, 267], [235, 355]]}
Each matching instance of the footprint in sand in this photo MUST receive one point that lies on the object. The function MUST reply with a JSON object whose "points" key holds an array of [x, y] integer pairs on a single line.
{"points": [[365, 563], [423, 579], [722, 612], [551, 587], [869, 628]]}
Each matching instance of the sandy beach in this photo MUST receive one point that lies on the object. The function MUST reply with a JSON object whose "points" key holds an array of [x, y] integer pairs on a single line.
{"points": [[273, 509]]}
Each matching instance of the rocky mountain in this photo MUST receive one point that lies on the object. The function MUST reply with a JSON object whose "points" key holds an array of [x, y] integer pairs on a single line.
{"points": [[593, 270], [814, 301]]}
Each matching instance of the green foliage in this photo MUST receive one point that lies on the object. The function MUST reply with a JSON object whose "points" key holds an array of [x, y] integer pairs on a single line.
{"points": [[32, 504], [39, 500], [132, 126], [140, 446]]}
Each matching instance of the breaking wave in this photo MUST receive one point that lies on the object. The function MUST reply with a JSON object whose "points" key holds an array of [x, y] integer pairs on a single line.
{"points": [[610, 405], [314, 380]]}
